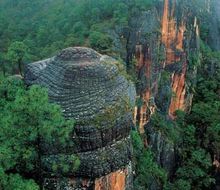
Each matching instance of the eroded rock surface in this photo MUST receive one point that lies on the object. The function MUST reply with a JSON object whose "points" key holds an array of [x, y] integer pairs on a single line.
{"points": [[163, 42], [93, 90]]}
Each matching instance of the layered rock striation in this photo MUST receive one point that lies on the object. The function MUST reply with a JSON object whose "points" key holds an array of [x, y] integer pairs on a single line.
{"points": [[92, 89]]}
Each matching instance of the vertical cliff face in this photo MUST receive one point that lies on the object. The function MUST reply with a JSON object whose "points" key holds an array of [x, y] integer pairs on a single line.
{"points": [[172, 35], [173, 39], [164, 42], [92, 90], [163, 60], [179, 91], [142, 113], [146, 47]]}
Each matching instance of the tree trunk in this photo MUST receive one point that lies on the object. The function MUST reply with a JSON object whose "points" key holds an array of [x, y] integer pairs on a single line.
{"points": [[20, 67], [3, 69]]}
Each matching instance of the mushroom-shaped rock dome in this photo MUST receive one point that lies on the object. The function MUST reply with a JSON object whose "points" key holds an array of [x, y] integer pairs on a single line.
{"points": [[92, 89], [82, 81]]}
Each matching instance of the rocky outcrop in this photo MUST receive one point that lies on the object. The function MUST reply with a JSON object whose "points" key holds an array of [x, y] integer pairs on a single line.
{"points": [[116, 181], [92, 89], [163, 148], [163, 42], [163, 60]]}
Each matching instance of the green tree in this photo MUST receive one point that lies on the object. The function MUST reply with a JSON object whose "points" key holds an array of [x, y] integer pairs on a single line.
{"points": [[194, 171], [2, 63], [147, 170], [100, 41], [15, 181], [16, 54], [27, 120]]}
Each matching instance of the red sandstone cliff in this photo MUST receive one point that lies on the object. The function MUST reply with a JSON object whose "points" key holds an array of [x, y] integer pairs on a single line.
{"points": [[174, 25]]}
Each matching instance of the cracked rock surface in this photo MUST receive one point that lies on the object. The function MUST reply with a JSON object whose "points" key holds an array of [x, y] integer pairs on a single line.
{"points": [[92, 89]]}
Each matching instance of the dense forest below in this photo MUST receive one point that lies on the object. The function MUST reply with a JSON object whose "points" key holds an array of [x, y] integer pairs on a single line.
{"points": [[34, 30]]}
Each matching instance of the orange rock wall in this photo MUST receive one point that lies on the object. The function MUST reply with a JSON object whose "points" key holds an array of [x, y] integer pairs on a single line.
{"points": [[172, 35], [172, 38], [143, 62], [178, 92], [112, 181]]}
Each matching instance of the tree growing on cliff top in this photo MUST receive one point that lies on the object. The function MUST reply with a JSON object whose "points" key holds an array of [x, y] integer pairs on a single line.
{"points": [[16, 54], [26, 119]]}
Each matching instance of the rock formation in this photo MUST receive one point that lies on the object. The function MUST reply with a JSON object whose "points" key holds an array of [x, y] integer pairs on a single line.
{"points": [[167, 68], [163, 42], [163, 58], [92, 89]]}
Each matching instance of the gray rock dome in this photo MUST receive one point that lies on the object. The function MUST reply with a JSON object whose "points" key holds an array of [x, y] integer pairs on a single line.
{"points": [[82, 81], [92, 89]]}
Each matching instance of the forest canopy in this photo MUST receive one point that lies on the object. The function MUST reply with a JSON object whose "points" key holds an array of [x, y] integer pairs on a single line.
{"points": [[35, 30]]}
